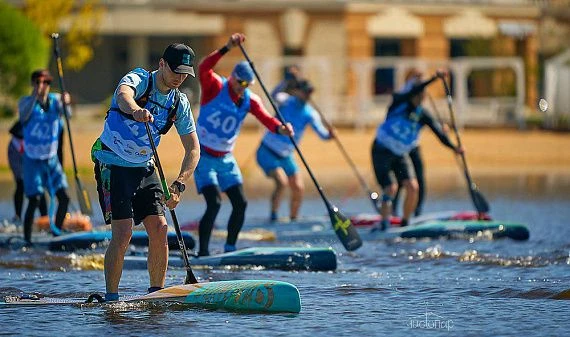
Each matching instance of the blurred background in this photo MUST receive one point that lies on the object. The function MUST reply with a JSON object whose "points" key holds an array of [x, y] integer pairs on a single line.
{"points": [[503, 55]]}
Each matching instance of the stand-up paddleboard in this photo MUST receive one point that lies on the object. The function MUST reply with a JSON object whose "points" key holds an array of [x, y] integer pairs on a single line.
{"points": [[431, 229], [282, 258], [358, 220], [239, 295], [364, 220], [90, 240], [497, 229]]}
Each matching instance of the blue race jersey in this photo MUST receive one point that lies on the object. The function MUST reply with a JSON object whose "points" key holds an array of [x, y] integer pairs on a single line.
{"points": [[401, 129], [220, 120], [42, 126], [299, 114], [128, 138]]}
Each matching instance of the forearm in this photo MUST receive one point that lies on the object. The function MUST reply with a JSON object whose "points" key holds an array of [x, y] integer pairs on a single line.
{"points": [[126, 100], [442, 136], [191, 156]]}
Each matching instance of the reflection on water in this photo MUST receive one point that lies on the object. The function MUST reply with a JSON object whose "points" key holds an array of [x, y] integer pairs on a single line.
{"points": [[486, 287]]}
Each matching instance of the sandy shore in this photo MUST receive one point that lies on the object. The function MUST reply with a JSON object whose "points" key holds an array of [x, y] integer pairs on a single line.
{"points": [[489, 152]]}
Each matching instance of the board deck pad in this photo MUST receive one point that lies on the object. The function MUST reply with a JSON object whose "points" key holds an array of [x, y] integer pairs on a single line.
{"points": [[238, 295]]}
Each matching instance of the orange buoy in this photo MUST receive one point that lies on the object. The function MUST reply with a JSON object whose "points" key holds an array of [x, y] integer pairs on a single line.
{"points": [[74, 222]]}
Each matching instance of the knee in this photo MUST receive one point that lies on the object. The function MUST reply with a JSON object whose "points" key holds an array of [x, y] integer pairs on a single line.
{"points": [[240, 205], [122, 237], [280, 184], [34, 200], [297, 189], [157, 232], [391, 190], [214, 205], [412, 186], [62, 197]]}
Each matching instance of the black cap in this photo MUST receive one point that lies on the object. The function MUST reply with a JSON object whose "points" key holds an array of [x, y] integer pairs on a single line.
{"points": [[305, 86], [41, 73], [180, 58]]}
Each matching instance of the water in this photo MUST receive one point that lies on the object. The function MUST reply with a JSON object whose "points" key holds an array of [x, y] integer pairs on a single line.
{"points": [[435, 287]]}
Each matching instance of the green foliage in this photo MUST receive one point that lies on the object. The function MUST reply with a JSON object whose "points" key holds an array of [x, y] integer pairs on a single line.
{"points": [[83, 17], [23, 49]]}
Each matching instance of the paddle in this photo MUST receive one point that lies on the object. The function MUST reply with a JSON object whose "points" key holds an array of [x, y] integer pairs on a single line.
{"points": [[372, 195], [341, 224], [480, 203], [82, 195], [190, 278]]}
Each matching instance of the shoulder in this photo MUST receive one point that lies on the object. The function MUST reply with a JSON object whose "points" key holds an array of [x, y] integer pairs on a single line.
{"points": [[54, 96], [255, 99], [25, 100], [183, 103], [140, 72], [135, 76]]}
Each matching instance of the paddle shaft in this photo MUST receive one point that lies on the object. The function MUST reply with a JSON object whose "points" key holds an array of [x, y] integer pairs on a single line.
{"points": [[57, 54], [282, 120], [372, 195], [84, 202], [479, 201], [190, 278], [341, 224]]}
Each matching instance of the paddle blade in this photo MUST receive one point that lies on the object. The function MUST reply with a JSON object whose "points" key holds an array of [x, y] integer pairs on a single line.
{"points": [[344, 230], [479, 200], [83, 198]]}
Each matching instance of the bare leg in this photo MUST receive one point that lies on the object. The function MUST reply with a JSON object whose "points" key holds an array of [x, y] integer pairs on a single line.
{"points": [[297, 189], [386, 208], [280, 179], [157, 261], [122, 231], [411, 201]]}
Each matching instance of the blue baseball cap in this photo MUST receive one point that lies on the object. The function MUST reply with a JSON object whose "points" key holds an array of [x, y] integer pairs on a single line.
{"points": [[243, 72]]}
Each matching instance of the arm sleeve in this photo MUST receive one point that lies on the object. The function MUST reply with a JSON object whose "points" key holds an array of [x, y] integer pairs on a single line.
{"points": [[428, 120], [210, 82], [317, 124], [399, 97], [258, 110]]}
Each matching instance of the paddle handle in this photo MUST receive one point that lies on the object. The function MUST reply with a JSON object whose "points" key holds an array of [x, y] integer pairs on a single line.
{"points": [[190, 277]]}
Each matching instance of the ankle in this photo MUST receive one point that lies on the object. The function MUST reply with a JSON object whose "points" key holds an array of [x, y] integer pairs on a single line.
{"points": [[111, 297], [153, 289], [229, 248]]}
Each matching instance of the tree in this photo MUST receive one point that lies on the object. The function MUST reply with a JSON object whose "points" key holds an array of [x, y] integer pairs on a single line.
{"points": [[82, 18], [23, 49]]}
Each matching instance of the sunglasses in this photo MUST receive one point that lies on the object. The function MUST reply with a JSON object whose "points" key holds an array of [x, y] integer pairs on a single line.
{"points": [[242, 83], [48, 82]]}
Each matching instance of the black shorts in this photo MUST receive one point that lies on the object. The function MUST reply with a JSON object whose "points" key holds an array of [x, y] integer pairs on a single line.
{"points": [[128, 192], [386, 161]]}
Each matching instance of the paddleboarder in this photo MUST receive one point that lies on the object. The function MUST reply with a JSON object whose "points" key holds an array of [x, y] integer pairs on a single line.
{"points": [[15, 158], [415, 154], [395, 137], [275, 153], [127, 183], [224, 104], [41, 119]]}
